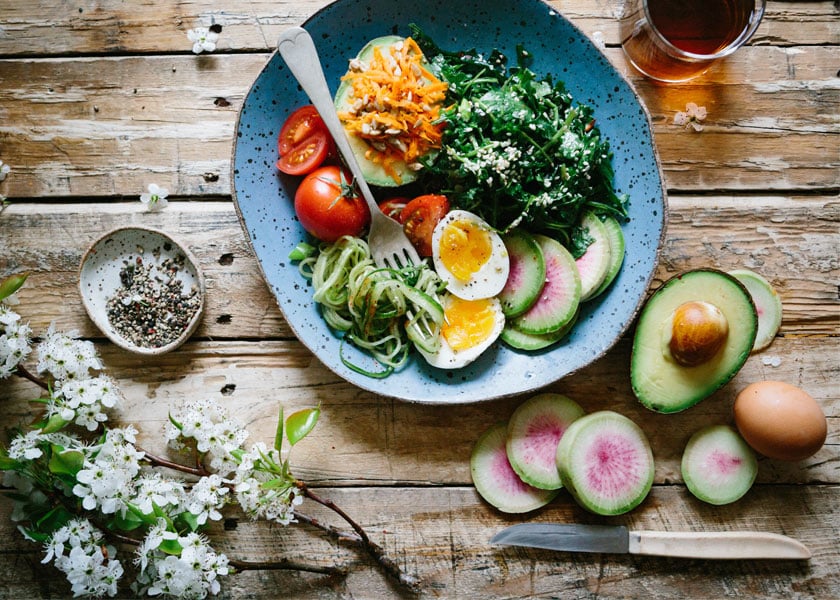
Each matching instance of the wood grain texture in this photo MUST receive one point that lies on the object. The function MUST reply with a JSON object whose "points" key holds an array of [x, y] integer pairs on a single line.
{"points": [[145, 26], [363, 437], [441, 534], [170, 120]]}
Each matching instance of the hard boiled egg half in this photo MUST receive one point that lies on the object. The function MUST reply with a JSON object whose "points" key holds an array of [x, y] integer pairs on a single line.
{"points": [[469, 328], [469, 256]]}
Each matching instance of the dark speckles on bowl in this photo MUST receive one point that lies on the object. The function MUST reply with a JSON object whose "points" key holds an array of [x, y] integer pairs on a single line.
{"points": [[264, 199]]}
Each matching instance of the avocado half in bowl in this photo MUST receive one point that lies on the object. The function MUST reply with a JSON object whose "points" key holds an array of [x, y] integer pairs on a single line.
{"points": [[693, 335], [264, 198]]}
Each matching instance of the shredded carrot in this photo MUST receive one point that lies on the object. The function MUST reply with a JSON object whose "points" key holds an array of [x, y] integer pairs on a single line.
{"points": [[395, 104]]}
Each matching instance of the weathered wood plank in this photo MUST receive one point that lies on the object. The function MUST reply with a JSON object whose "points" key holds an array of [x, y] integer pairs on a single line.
{"points": [[363, 437], [791, 241], [440, 535], [146, 26], [66, 131]]}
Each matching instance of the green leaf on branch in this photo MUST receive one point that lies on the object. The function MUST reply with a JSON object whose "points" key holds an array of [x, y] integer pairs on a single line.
{"points": [[54, 423], [278, 436], [177, 425], [9, 464], [127, 522], [275, 484], [300, 423], [12, 284], [190, 520], [55, 518], [171, 547], [65, 462]]}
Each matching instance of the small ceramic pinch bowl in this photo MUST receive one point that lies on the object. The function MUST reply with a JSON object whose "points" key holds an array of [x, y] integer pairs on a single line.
{"points": [[142, 289]]}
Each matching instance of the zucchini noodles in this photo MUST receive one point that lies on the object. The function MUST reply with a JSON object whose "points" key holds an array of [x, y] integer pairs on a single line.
{"points": [[379, 310]]}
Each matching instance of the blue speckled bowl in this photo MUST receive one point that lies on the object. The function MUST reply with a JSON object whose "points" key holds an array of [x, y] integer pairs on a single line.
{"points": [[264, 198]]}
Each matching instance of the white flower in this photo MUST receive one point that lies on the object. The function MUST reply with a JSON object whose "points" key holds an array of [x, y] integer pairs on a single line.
{"points": [[105, 481], [26, 446], [215, 434], [14, 341], [65, 357], [691, 117], [154, 538], [274, 504], [88, 566], [155, 198], [203, 39], [193, 574], [4, 170], [206, 498], [156, 489]]}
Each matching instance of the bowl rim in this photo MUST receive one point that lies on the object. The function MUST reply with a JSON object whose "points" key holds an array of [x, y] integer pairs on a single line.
{"points": [[113, 336]]}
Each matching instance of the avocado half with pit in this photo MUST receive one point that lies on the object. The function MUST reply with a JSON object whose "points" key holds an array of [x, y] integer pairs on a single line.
{"points": [[374, 173], [693, 335]]}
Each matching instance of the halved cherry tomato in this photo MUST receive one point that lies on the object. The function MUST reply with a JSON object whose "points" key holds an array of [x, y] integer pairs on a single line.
{"points": [[327, 206], [419, 218], [393, 206], [303, 142]]}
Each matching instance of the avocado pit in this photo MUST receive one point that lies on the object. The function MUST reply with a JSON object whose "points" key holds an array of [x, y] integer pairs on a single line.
{"points": [[697, 332]]}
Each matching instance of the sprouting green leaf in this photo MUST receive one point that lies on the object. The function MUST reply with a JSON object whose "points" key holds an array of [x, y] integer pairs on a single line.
{"points": [[54, 518], [300, 423], [190, 520], [9, 464], [11, 284], [54, 423], [147, 518], [34, 536], [177, 425], [171, 547], [128, 521], [275, 484], [65, 462], [278, 435]]}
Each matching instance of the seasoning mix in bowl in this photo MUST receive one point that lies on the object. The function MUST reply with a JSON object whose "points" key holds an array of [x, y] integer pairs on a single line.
{"points": [[142, 289]]}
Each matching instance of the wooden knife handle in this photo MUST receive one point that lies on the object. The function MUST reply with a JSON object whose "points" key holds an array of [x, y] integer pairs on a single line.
{"points": [[717, 545]]}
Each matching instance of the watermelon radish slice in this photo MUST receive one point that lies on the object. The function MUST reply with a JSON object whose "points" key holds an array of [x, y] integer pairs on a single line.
{"points": [[533, 433], [527, 273], [530, 342], [496, 481], [768, 305], [594, 264], [617, 247], [718, 466], [606, 463], [560, 296]]}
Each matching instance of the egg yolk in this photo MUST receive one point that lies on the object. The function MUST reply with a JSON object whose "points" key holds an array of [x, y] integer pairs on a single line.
{"points": [[468, 323], [464, 248]]}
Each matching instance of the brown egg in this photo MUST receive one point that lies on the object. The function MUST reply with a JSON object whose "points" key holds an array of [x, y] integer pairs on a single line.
{"points": [[780, 420]]}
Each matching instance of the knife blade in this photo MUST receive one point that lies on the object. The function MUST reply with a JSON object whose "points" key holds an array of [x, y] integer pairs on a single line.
{"points": [[617, 539]]}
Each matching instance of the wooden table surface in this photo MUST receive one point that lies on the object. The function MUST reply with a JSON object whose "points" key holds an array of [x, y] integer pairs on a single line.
{"points": [[99, 99]]}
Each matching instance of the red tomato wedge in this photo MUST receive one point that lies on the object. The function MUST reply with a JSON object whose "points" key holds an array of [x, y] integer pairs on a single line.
{"points": [[393, 207], [419, 218], [303, 142]]}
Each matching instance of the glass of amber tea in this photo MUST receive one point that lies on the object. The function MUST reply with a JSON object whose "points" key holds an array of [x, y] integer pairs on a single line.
{"points": [[675, 40]]}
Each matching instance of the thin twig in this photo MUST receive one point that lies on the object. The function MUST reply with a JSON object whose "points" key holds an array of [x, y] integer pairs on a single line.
{"points": [[375, 550], [159, 461], [22, 371], [337, 533], [284, 564]]}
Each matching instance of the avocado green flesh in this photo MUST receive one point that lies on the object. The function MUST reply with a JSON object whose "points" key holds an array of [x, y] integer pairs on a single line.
{"points": [[658, 381], [374, 173]]}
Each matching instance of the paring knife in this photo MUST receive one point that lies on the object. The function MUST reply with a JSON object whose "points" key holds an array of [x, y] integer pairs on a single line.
{"points": [[617, 539]]}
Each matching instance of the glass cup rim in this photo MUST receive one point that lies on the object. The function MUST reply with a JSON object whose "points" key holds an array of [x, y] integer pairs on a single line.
{"points": [[746, 34]]}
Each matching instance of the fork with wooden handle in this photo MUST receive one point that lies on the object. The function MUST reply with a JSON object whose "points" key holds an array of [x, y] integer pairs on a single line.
{"points": [[388, 243]]}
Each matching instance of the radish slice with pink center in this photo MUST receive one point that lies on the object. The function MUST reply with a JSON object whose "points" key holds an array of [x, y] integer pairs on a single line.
{"points": [[768, 306], [606, 463], [533, 434], [594, 264], [718, 466], [496, 481]]}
